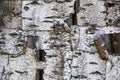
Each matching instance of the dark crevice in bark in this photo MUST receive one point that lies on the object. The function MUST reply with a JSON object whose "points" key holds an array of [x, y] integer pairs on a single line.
{"points": [[39, 74], [76, 10], [40, 55], [72, 20]]}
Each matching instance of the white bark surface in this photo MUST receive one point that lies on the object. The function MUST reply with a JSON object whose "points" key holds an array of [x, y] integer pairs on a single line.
{"points": [[19, 62]]}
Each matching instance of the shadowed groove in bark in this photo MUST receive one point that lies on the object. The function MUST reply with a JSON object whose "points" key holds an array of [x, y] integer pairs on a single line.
{"points": [[39, 74]]}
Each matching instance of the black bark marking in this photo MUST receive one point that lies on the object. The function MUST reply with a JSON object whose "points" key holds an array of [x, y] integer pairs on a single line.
{"points": [[2, 42], [96, 73], [109, 4], [5, 53], [34, 2], [26, 8], [21, 72], [89, 4], [93, 63], [76, 10], [68, 0], [33, 26]]}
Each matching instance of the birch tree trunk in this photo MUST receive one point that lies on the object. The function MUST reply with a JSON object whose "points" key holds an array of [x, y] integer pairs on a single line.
{"points": [[54, 39]]}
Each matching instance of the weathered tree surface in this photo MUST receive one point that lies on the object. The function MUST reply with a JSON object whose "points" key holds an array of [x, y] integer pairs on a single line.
{"points": [[55, 39]]}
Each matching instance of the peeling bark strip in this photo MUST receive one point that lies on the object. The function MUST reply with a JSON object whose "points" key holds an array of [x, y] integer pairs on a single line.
{"points": [[39, 74], [101, 49], [108, 43]]}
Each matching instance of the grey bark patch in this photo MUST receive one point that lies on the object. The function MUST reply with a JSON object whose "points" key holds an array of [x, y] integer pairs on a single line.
{"points": [[69, 21], [31, 41]]}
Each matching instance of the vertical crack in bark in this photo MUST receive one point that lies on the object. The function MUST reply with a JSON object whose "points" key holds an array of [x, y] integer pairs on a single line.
{"points": [[39, 74], [76, 10], [40, 55]]}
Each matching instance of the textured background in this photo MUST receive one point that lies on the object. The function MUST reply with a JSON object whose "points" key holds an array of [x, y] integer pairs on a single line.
{"points": [[65, 30]]}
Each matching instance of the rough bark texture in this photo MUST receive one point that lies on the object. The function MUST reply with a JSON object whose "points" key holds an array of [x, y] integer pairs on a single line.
{"points": [[63, 33]]}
